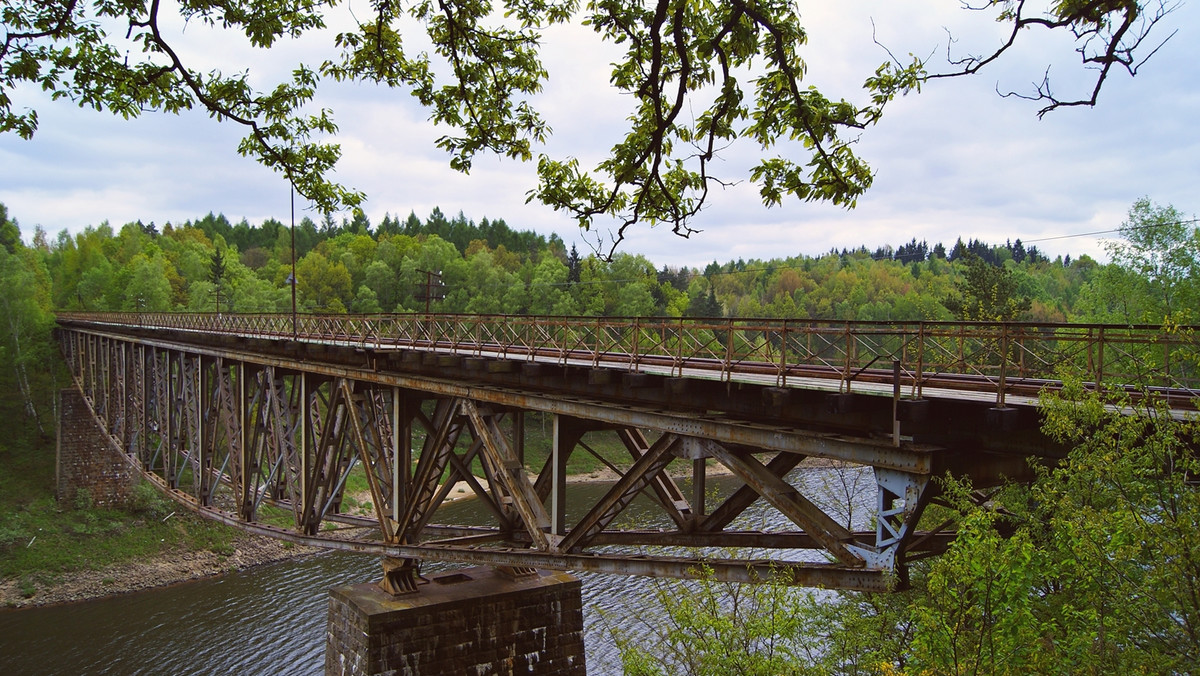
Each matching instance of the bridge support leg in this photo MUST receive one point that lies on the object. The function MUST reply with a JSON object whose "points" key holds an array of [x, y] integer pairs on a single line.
{"points": [[399, 576], [468, 621], [86, 460]]}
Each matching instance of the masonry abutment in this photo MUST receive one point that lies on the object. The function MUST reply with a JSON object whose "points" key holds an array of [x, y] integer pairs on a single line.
{"points": [[470, 621], [85, 458]]}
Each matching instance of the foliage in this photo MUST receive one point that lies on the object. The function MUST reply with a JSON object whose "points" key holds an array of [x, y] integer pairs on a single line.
{"points": [[25, 344], [1123, 513], [700, 77], [324, 285], [1154, 276], [344, 269], [146, 500], [715, 629], [1092, 569], [987, 293], [10, 232]]}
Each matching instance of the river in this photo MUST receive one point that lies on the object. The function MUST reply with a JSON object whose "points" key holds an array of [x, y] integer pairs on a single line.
{"points": [[271, 619]]}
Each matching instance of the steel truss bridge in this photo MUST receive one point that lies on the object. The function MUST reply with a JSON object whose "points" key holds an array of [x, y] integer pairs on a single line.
{"points": [[260, 420]]}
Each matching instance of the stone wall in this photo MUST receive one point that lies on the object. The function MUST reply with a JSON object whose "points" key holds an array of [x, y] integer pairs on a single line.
{"points": [[475, 621], [86, 460]]}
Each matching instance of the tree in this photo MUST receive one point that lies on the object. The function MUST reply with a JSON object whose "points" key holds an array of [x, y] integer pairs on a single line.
{"points": [[987, 293], [323, 285], [10, 232], [381, 279], [1157, 266], [365, 301], [573, 266], [25, 341], [548, 289], [1018, 252], [700, 76], [715, 629], [146, 288], [216, 275]]}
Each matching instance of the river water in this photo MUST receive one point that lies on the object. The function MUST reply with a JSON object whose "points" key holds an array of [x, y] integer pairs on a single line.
{"points": [[271, 619]]}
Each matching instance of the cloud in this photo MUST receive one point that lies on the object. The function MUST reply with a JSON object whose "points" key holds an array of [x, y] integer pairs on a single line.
{"points": [[953, 161]]}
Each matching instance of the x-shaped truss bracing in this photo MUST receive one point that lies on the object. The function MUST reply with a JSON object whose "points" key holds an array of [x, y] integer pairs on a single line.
{"points": [[278, 449]]}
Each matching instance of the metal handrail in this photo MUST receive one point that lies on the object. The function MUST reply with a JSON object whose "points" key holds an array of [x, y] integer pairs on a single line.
{"points": [[989, 356]]}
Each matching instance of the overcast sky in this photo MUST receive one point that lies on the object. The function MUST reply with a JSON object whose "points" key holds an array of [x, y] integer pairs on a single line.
{"points": [[954, 161]]}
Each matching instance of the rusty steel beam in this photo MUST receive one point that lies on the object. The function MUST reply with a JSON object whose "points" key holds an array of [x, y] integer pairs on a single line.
{"points": [[228, 430], [648, 466], [921, 542], [784, 497], [989, 357], [518, 489], [859, 450], [807, 574]]}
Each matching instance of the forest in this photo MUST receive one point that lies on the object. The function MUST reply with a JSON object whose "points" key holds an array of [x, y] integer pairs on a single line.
{"points": [[1093, 568], [455, 265]]}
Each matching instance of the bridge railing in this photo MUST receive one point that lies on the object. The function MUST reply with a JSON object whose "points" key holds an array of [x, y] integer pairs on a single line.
{"points": [[1000, 358]]}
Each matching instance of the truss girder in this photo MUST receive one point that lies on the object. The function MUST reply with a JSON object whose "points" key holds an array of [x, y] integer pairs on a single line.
{"points": [[231, 435], [645, 470], [789, 501], [513, 487]]}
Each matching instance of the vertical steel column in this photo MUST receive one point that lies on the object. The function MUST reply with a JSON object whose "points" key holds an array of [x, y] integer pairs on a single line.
{"points": [[303, 447], [173, 422], [399, 456], [244, 501], [121, 385], [1003, 366], [143, 439], [91, 359], [203, 466], [896, 403], [558, 480]]}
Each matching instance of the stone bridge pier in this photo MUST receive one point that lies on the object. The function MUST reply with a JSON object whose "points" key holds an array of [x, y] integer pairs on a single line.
{"points": [[85, 458], [483, 620]]}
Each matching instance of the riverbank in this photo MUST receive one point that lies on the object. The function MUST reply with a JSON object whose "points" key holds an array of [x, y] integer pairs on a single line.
{"points": [[178, 566], [169, 568]]}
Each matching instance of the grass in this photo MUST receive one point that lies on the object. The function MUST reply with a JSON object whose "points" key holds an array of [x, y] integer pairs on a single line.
{"points": [[41, 540], [539, 439]]}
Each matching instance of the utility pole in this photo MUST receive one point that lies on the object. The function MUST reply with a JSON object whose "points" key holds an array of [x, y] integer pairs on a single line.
{"points": [[430, 286], [292, 277]]}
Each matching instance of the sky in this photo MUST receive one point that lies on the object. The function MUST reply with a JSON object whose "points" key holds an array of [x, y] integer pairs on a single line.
{"points": [[956, 160]]}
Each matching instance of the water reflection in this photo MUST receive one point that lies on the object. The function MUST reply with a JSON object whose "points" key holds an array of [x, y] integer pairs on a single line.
{"points": [[271, 620]]}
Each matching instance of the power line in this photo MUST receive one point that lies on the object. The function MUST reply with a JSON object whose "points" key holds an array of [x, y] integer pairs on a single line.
{"points": [[775, 268], [1105, 232]]}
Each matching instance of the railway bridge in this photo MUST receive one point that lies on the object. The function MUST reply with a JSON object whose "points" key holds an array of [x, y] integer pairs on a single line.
{"points": [[262, 421]]}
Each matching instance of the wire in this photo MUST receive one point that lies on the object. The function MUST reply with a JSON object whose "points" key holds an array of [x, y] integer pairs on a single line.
{"points": [[773, 268], [1105, 232]]}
